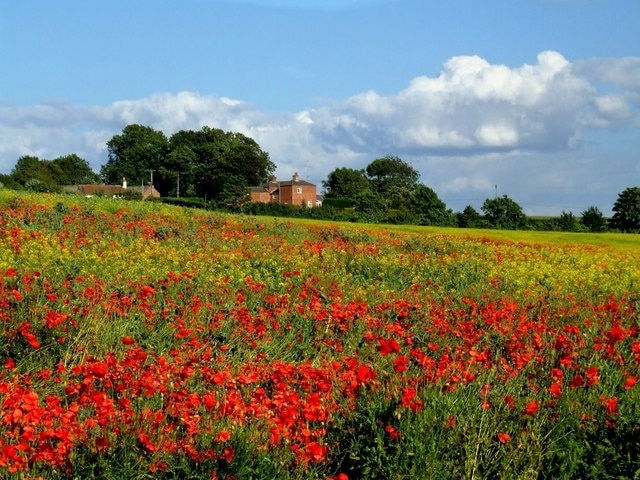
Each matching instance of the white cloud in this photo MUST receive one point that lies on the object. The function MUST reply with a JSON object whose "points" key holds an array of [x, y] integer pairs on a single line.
{"points": [[471, 105], [509, 119], [620, 72]]}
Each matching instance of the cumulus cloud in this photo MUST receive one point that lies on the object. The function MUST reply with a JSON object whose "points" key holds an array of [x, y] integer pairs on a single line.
{"points": [[474, 117], [621, 72], [471, 106]]}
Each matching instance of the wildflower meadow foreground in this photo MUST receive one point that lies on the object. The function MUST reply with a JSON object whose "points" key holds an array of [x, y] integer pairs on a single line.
{"points": [[141, 341]]}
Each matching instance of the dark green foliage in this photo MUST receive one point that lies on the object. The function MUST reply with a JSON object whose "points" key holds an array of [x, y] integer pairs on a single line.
{"points": [[7, 181], [566, 222], [346, 183], [470, 218], [593, 220], [73, 170], [388, 172], [504, 213], [429, 209], [35, 174], [626, 216], [209, 163], [134, 155], [387, 191], [184, 202]]}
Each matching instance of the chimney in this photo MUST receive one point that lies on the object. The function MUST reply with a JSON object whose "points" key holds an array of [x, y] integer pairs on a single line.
{"points": [[124, 183], [296, 177]]}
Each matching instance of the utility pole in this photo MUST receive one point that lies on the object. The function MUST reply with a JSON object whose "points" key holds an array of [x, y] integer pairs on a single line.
{"points": [[178, 188], [496, 190]]}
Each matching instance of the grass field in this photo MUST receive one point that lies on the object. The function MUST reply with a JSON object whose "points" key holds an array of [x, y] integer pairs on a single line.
{"points": [[147, 341]]}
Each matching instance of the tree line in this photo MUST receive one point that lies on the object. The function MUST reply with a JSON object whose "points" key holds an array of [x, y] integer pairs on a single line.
{"points": [[388, 191], [214, 169]]}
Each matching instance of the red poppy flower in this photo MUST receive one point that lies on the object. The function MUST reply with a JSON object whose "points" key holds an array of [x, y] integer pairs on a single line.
{"points": [[555, 389], [387, 346], [393, 433], [532, 407], [504, 437], [401, 364], [316, 452], [593, 376]]}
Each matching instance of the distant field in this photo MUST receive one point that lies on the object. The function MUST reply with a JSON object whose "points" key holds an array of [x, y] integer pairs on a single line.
{"points": [[609, 239]]}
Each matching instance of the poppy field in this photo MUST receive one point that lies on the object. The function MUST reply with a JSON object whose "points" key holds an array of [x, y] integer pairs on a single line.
{"points": [[145, 341]]}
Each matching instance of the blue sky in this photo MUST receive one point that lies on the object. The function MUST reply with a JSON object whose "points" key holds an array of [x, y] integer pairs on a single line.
{"points": [[538, 97]]}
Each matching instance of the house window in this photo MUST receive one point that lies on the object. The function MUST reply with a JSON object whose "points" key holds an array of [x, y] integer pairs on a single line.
{"points": [[299, 190]]}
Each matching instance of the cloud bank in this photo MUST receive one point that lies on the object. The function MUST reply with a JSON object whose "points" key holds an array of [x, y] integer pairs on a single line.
{"points": [[460, 127]]}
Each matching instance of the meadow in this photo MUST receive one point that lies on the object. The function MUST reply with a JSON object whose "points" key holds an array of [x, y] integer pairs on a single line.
{"points": [[143, 341]]}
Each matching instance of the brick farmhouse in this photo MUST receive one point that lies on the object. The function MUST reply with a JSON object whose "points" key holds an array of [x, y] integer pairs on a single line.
{"points": [[288, 192]]}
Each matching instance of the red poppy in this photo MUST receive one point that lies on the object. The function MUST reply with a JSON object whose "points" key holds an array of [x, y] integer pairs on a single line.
{"points": [[555, 389], [610, 404], [316, 452], [387, 346], [532, 407], [593, 376], [504, 437], [401, 364], [393, 433]]}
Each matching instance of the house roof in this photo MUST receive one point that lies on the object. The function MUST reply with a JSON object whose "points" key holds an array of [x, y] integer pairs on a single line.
{"points": [[104, 189], [297, 182]]}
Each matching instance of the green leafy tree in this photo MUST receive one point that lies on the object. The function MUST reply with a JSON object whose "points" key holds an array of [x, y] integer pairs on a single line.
{"points": [[135, 155], [428, 208], [567, 222], [235, 194], [373, 207], [346, 183], [73, 170], [176, 175], [213, 161], [35, 174], [470, 218], [7, 181], [593, 219], [505, 213], [392, 177], [626, 211]]}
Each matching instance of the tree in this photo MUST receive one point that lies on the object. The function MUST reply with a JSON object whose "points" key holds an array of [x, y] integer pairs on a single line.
{"points": [[35, 174], [503, 212], [430, 210], [626, 216], [470, 218], [593, 220], [7, 181], [346, 183], [567, 222], [391, 171], [134, 155], [175, 176], [235, 194], [212, 161], [73, 170]]}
